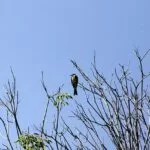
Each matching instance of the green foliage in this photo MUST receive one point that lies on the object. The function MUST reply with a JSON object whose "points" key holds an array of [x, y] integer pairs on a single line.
{"points": [[35, 142], [31, 142], [61, 99]]}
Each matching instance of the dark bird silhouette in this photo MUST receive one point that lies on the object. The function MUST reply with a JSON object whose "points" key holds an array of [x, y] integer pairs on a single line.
{"points": [[74, 81]]}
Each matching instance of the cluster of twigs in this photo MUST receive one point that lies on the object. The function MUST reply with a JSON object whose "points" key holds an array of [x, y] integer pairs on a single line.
{"points": [[118, 108], [10, 103]]}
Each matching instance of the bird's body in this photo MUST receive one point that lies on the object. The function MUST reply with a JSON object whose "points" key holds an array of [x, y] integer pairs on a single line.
{"points": [[74, 81]]}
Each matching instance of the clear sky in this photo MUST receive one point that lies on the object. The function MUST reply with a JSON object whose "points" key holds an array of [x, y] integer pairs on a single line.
{"points": [[38, 35]]}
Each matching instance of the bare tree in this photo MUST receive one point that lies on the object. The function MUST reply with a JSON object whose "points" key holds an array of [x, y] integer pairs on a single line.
{"points": [[118, 108]]}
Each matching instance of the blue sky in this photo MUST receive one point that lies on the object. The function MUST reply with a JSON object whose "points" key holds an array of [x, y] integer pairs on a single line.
{"points": [[44, 35]]}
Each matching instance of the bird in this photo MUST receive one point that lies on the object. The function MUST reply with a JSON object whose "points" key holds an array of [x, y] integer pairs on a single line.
{"points": [[74, 81]]}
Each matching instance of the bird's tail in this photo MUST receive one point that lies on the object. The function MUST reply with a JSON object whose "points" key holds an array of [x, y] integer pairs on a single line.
{"points": [[75, 91]]}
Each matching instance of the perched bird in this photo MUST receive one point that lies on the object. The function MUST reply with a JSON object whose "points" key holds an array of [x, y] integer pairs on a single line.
{"points": [[74, 81]]}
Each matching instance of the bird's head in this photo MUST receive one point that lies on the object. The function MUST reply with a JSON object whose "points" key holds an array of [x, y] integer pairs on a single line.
{"points": [[73, 74]]}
